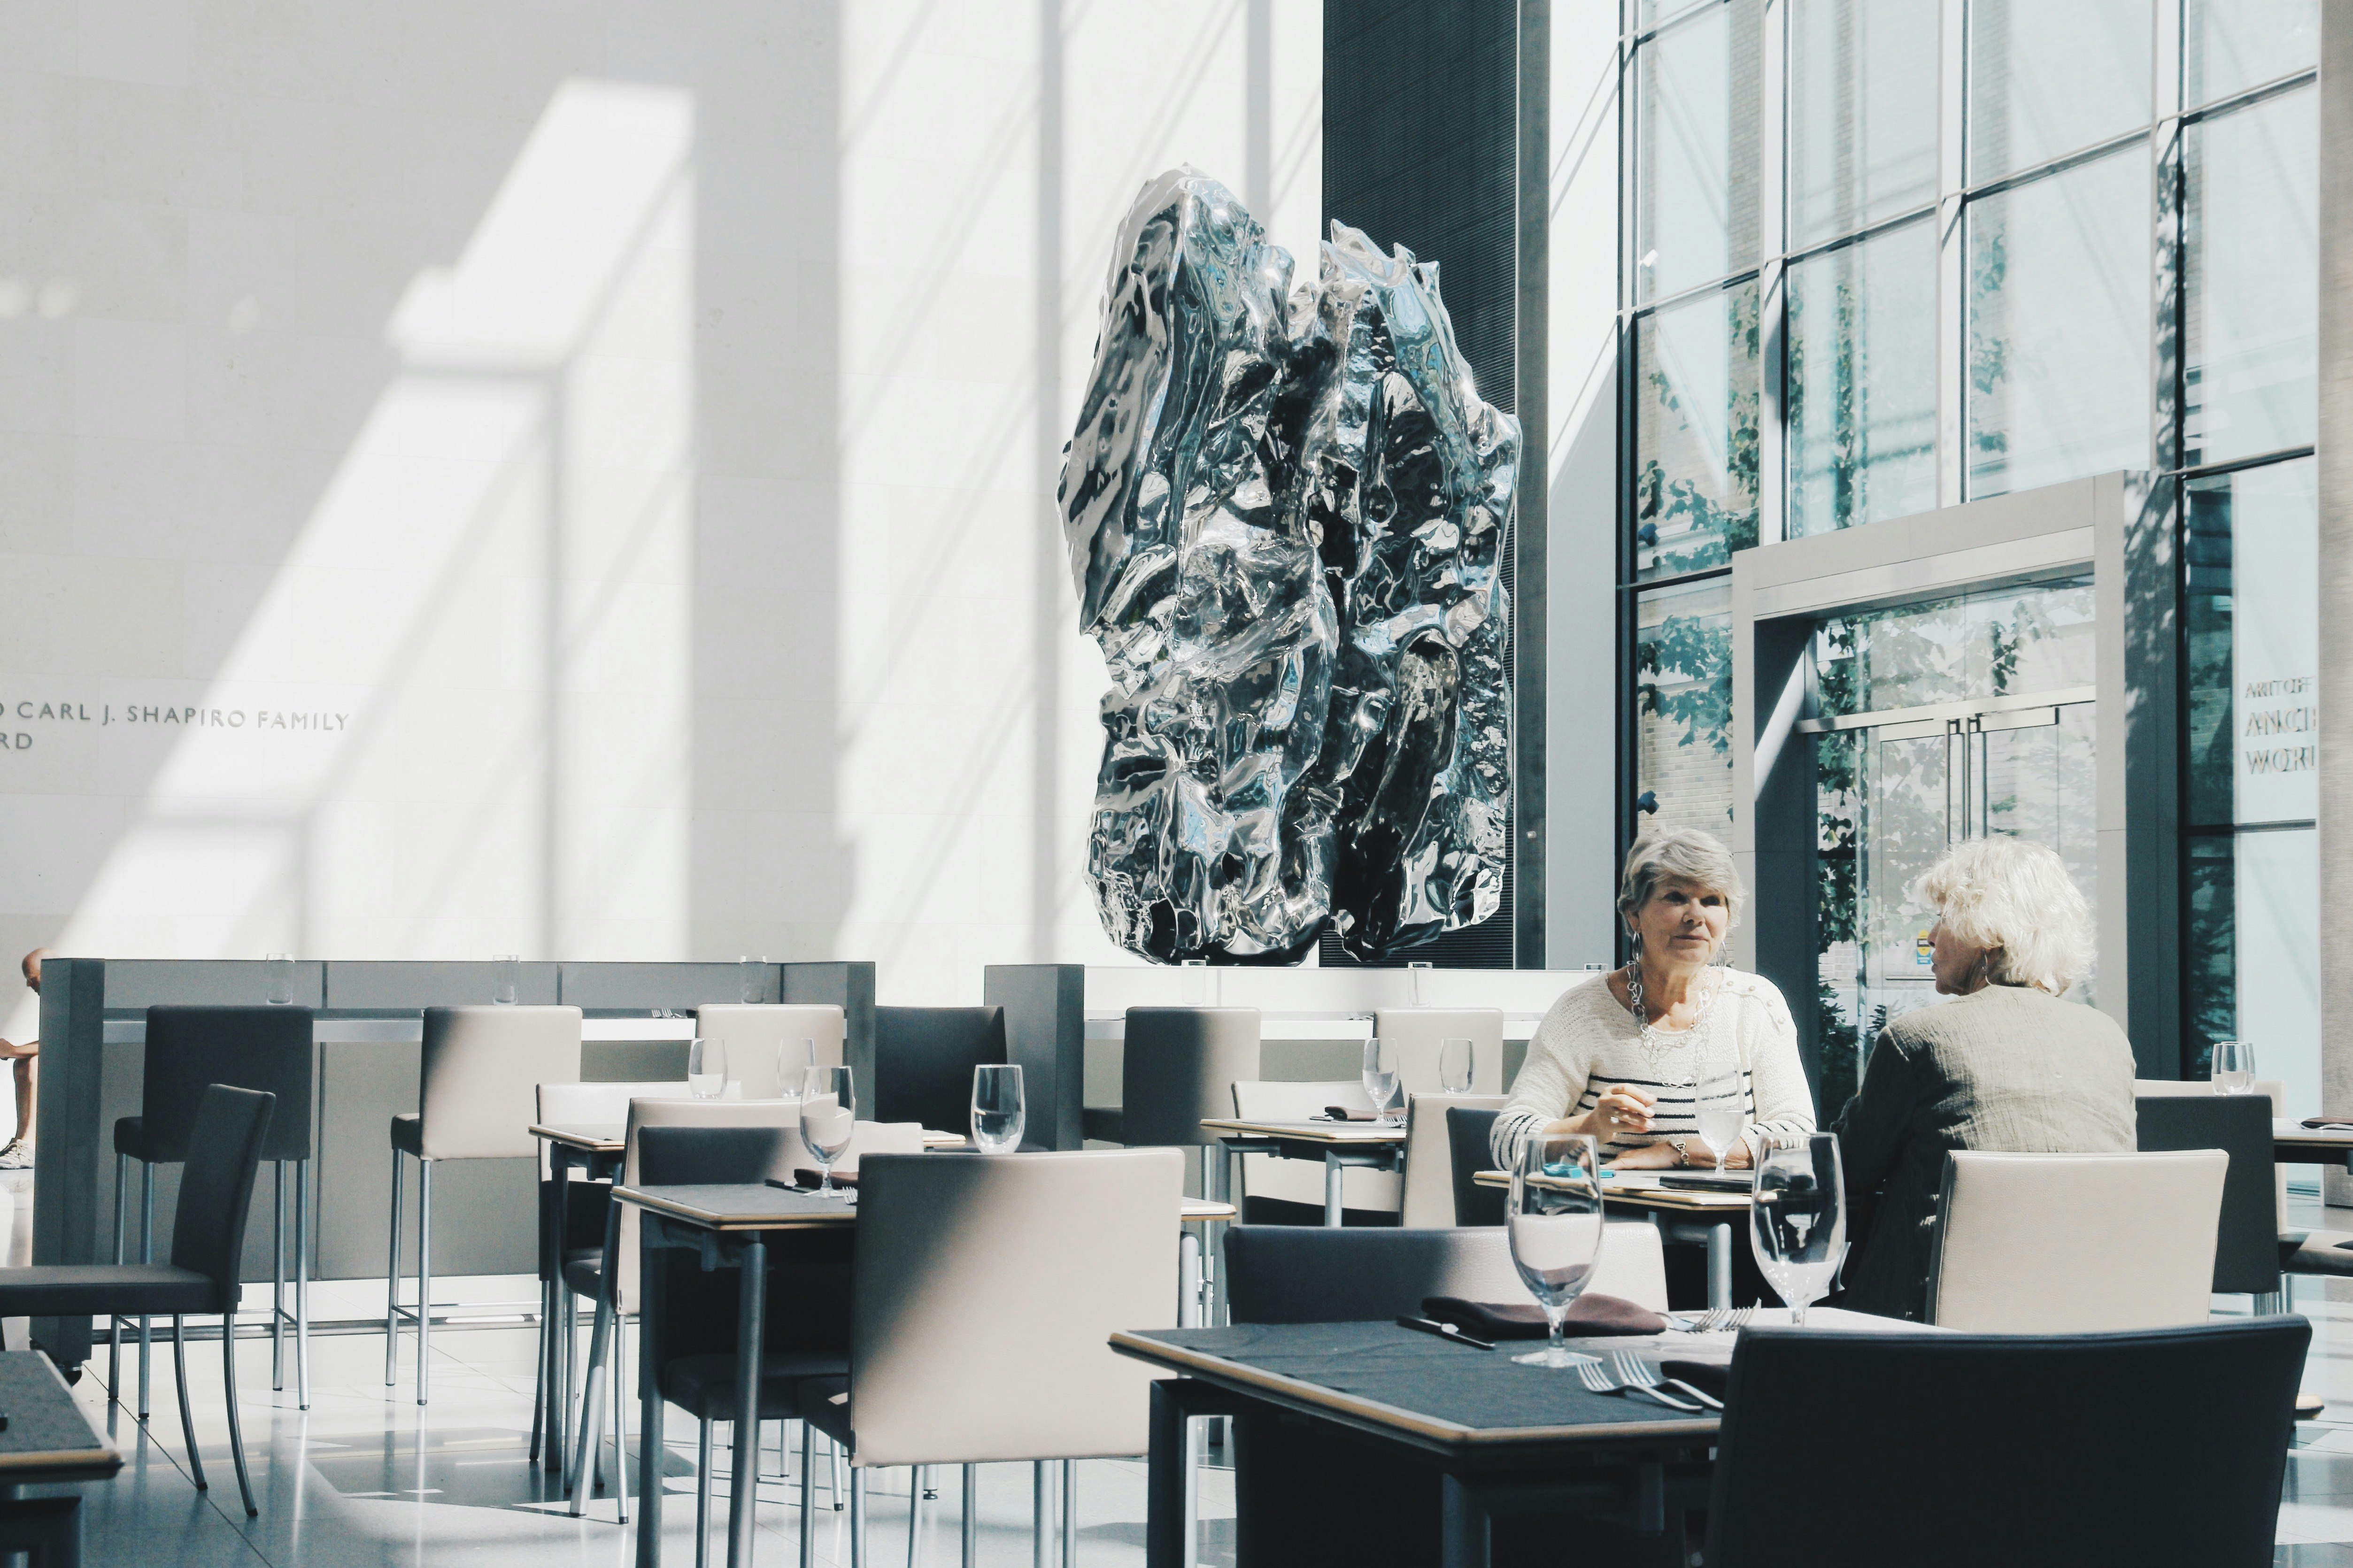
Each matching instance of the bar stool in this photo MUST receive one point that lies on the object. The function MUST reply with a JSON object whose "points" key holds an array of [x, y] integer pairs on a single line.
{"points": [[1178, 1068], [268, 1049], [478, 1091]]}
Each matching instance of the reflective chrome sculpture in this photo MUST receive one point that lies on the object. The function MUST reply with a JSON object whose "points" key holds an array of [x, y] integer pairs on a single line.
{"points": [[1286, 519]]}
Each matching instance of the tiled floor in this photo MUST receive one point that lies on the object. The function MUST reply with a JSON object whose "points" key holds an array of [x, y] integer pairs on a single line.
{"points": [[367, 1477]]}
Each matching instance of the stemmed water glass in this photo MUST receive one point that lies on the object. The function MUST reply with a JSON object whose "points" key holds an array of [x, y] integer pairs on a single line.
{"points": [[829, 1117], [1723, 1114], [997, 1113], [1554, 1216], [2235, 1067], [1380, 1075], [706, 1068], [1799, 1221], [1454, 1066], [794, 1059]]}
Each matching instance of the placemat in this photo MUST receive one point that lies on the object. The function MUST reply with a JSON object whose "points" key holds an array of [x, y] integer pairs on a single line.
{"points": [[43, 1419]]}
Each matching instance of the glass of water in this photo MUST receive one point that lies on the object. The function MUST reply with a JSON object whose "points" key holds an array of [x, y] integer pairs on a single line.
{"points": [[1454, 1066], [1798, 1220], [754, 970], [1723, 1114], [794, 1059], [1380, 1075], [706, 1068], [2235, 1067], [1554, 1217], [506, 979], [281, 979], [829, 1117], [997, 1109]]}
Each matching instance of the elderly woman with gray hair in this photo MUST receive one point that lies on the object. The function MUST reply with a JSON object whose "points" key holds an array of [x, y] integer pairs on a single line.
{"points": [[2005, 1066], [1624, 1057]]}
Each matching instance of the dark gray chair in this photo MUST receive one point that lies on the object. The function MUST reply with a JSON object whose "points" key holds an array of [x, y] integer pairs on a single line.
{"points": [[923, 1059], [1846, 1450], [1314, 1273], [1466, 1136], [226, 1134], [2246, 1243], [267, 1049]]}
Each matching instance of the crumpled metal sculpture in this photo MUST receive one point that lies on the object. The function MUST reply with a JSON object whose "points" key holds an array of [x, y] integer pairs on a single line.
{"points": [[1285, 520]]}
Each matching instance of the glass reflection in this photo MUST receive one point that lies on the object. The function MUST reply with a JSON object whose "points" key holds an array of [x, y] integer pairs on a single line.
{"points": [[1695, 181], [2047, 80], [2250, 310], [1696, 410], [2059, 327], [1863, 113], [1998, 643], [2251, 609], [1682, 662], [1862, 382], [2228, 45]]}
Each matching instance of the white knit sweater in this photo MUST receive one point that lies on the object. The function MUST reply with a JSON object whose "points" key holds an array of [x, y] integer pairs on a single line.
{"points": [[1589, 1042]]}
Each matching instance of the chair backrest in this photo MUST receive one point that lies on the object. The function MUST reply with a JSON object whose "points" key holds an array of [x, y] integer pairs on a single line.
{"points": [[594, 1105], [1430, 1155], [268, 1049], [1178, 1068], [231, 1129], [1467, 1135], [923, 1059], [2272, 1090], [985, 1289], [1842, 1450], [1302, 1180], [1309, 1274], [482, 1070], [1418, 1032], [752, 1031], [2246, 1242], [2041, 1244]]}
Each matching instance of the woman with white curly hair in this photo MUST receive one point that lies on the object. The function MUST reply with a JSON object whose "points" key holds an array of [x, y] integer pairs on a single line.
{"points": [[2006, 1066]]}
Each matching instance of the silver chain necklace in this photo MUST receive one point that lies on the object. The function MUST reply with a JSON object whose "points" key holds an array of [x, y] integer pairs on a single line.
{"points": [[1664, 1046]]}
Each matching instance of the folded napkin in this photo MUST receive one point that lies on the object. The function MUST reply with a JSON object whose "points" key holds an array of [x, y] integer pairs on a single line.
{"points": [[1715, 1376], [1346, 1113], [1588, 1314], [806, 1177], [2338, 1122]]}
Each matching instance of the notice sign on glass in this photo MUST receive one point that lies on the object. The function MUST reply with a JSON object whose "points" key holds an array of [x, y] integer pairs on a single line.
{"points": [[2275, 647]]}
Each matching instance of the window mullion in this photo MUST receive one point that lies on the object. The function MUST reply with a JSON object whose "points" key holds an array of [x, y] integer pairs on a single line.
{"points": [[1952, 261]]}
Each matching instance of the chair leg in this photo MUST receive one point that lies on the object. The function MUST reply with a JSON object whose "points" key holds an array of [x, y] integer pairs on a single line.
{"points": [[114, 1320], [302, 1283], [971, 1522], [1040, 1520], [1069, 1513], [620, 1376], [833, 1473], [187, 1417], [808, 1529], [915, 1517], [702, 1496], [236, 1435], [146, 1255], [856, 1518], [392, 1284], [277, 1280], [423, 1276], [539, 1371]]}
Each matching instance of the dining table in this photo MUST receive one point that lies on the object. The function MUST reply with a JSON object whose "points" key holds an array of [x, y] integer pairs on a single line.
{"points": [[1336, 1145], [1709, 1216], [47, 1438], [2294, 1143], [732, 1224]]}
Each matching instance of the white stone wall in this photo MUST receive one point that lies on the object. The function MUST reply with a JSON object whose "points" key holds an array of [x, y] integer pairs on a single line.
{"points": [[573, 478]]}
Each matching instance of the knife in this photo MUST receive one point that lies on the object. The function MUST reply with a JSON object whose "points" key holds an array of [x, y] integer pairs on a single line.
{"points": [[1444, 1331]]}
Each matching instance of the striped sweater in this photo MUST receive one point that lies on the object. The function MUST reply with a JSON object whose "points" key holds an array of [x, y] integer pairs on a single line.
{"points": [[1588, 1042]]}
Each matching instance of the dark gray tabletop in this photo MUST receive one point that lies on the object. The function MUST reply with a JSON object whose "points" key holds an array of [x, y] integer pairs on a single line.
{"points": [[739, 1206], [48, 1439], [1416, 1388]]}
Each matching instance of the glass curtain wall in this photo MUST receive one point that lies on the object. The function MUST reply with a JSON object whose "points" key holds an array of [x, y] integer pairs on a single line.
{"points": [[1864, 280]]}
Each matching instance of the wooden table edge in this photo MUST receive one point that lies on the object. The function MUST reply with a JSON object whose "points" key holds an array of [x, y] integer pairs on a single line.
{"points": [[1298, 1133], [1395, 1418], [710, 1221], [571, 1138], [101, 1460], [1683, 1201]]}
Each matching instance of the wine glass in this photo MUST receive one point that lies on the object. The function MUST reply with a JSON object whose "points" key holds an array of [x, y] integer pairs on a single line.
{"points": [[2235, 1067], [1554, 1216], [1454, 1066], [829, 1117], [1380, 1075], [794, 1059], [997, 1108], [1799, 1221], [1723, 1114], [706, 1068]]}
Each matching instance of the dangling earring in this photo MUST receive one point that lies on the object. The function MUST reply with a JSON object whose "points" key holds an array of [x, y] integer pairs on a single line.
{"points": [[1635, 981]]}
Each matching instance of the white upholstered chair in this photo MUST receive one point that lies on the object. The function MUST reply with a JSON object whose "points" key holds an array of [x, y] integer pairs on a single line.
{"points": [[1428, 1200], [1418, 1032], [1302, 1180], [753, 1032]]}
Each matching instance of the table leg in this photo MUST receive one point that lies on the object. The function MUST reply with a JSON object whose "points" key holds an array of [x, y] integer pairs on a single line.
{"points": [[1719, 1265], [1188, 1281], [559, 1364], [1332, 1188], [751, 1323], [1463, 1532], [651, 1344]]}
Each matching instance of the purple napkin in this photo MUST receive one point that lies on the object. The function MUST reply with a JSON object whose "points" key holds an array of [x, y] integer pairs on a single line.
{"points": [[1588, 1314]]}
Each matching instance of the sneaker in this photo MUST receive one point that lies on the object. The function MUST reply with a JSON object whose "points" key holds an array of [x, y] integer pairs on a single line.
{"points": [[16, 1156]]}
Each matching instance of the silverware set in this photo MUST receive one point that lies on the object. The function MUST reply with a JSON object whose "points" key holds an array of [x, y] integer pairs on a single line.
{"points": [[1728, 1319], [1626, 1373]]}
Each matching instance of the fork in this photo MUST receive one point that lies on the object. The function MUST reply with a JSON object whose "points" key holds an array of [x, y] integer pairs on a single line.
{"points": [[1706, 1322], [1631, 1368], [1591, 1374], [1740, 1317]]}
